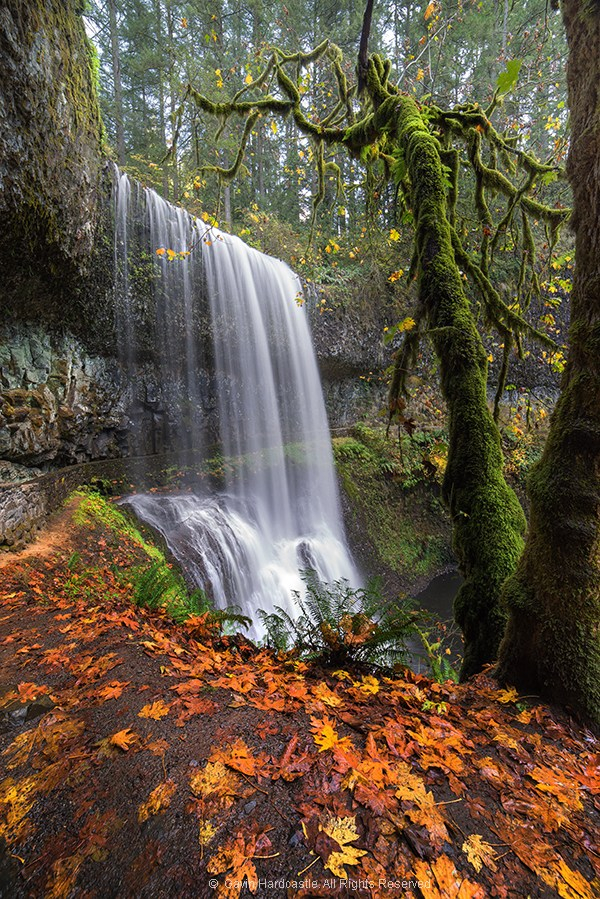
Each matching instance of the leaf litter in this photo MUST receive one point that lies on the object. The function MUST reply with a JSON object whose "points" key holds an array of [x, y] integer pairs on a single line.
{"points": [[175, 762]]}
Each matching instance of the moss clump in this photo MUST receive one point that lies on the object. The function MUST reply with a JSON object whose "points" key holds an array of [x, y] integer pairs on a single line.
{"points": [[154, 584], [392, 500], [93, 508]]}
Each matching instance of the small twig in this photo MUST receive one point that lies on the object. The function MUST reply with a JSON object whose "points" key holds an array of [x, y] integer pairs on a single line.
{"points": [[308, 867], [254, 786]]}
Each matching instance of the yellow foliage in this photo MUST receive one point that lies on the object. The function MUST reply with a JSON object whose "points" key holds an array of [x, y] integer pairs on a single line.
{"points": [[344, 832]]}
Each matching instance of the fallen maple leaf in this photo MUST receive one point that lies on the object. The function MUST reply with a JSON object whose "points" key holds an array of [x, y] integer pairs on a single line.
{"points": [[369, 685], [237, 756], [504, 696], [479, 853], [29, 691], [112, 690], [343, 830], [572, 885], [325, 695], [124, 739], [450, 884], [155, 710], [159, 799], [326, 736]]}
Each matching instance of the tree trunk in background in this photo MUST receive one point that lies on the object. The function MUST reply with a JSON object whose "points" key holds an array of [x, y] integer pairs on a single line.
{"points": [[227, 205], [162, 123], [172, 92], [116, 68], [552, 644]]}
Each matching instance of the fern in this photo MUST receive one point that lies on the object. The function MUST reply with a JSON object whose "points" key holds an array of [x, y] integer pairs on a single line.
{"points": [[341, 625], [160, 587]]}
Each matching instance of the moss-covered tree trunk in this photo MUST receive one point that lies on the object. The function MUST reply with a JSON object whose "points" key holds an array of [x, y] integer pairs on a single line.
{"points": [[552, 644], [488, 522]]}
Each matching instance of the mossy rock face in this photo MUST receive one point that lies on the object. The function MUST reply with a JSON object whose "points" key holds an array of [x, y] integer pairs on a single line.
{"points": [[50, 159]]}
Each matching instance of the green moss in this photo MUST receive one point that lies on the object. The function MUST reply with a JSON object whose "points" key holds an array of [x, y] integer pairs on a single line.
{"points": [[488, 521], [404, 526], [94, 508]]}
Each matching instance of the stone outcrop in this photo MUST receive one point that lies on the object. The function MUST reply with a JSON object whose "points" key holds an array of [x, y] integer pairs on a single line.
{"points": [[50, 163]]}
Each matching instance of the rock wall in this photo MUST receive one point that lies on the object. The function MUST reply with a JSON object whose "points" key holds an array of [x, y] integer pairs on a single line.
{"points": [[50, 160], [24, 507]]}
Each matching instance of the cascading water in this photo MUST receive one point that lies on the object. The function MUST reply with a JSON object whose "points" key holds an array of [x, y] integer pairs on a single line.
{"points": [[278, 512]]}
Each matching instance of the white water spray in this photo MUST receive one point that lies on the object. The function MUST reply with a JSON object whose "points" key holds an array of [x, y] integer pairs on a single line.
{"points": [[279, 511]]}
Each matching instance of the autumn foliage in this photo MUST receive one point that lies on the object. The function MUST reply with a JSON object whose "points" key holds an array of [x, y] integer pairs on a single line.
{"points": [[141, 757]]}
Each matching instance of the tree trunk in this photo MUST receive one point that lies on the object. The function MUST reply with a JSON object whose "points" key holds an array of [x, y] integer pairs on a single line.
{"points": [[172, 93], [488, 522], [162, 123], [116, 67], [552, 644]]}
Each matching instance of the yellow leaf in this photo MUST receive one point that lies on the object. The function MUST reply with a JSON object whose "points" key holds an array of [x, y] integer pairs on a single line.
{"points": [[573, 885], [184, 22], [369, 684], [509, 695], [214, 779], [159, 799], [323, 693], [479, 853], [420, 75], [394, 234], [274, 127], [344, 832], [206, 833], [407, 325], [248, 79], [161, 251], [395, 276]]}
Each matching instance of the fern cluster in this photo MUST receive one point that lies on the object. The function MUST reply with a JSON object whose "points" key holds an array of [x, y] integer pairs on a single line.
{"points": [[161, 587], [340, 625]]}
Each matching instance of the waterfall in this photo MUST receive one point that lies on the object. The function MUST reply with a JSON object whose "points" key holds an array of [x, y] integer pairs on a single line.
{"points": [[278, 511]]}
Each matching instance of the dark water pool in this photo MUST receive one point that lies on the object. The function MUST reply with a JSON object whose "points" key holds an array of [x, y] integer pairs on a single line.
{"points": [[437, 598], [438, 595]]}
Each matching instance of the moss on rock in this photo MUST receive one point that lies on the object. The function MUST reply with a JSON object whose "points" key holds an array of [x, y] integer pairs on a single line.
{"points": [[50, 156]]}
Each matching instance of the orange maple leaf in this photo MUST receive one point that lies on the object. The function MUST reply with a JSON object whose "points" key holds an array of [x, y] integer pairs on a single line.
{"points": [[124, 739], [159, 799], [237, 756], [450, 884], [155, 710], [113, 690], [29, 691]]}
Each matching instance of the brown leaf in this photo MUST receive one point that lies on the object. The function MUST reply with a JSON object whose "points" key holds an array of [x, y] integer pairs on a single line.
{"points": [[159, 799], [154, 710]]}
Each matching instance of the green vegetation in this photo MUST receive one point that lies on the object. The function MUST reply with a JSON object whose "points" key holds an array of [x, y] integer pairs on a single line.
{"points": [[93, 507], [154, 584], [389, 488], [340, 626], [160, 586]]}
